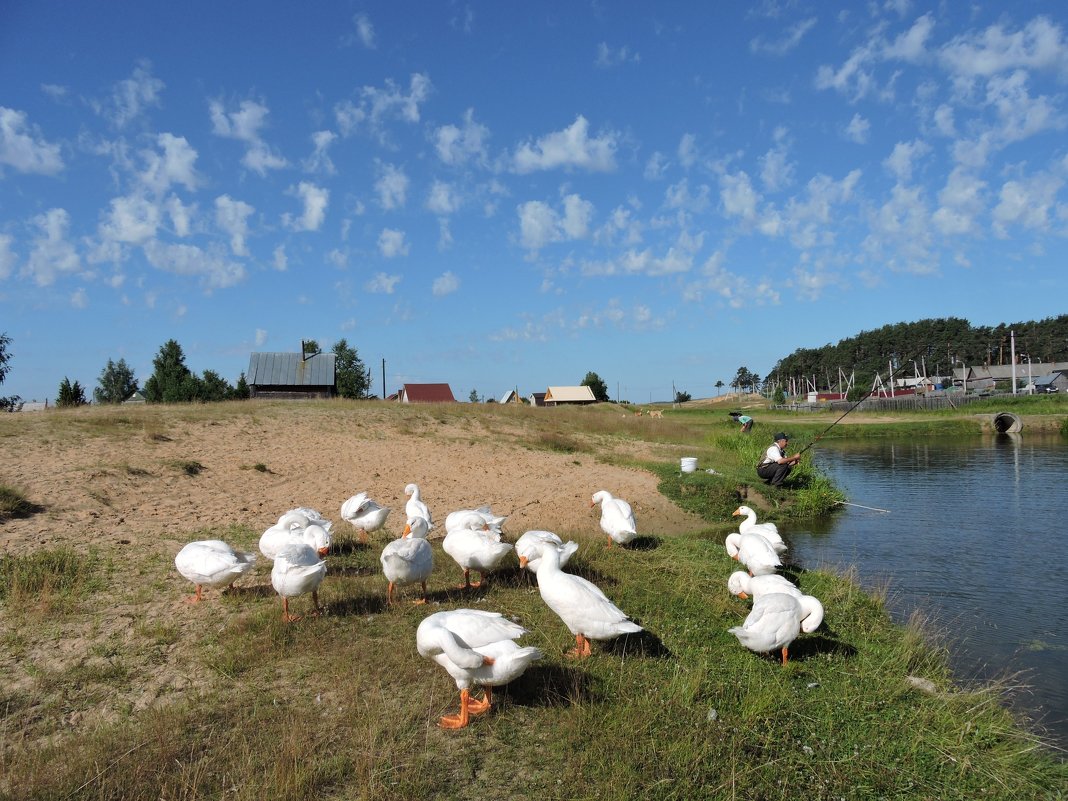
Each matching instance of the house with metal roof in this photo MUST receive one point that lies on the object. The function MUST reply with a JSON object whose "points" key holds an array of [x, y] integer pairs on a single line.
{"points": [[559, 396], [537, 399], [292, 375], [426, 393], [511, 396]]}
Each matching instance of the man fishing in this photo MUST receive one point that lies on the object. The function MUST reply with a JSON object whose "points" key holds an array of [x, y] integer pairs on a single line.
{"points": [[775, 465]]}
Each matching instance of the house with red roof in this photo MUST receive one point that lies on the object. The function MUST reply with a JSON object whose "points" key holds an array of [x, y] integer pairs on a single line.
{"points": [[425, 393]]}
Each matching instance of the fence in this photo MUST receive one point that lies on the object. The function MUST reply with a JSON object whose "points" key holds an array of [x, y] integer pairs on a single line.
{"points": [[906, 402]]}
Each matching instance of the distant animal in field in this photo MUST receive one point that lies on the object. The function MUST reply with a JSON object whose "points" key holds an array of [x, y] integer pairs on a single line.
{"points": [[656, 413]]}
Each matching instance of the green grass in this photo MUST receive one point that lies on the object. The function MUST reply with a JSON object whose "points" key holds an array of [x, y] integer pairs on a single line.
{"points": [[48, 581], [14, 503]]}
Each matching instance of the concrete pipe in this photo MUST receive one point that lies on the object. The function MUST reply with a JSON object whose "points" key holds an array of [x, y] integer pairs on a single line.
{"points": [[1007, 423]]}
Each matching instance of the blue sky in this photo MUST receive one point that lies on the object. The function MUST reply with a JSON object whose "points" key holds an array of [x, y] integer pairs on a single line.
{"points": [[501, 194]]}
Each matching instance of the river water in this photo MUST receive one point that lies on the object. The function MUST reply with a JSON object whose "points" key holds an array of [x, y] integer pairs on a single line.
{"points": [[975, 538]]}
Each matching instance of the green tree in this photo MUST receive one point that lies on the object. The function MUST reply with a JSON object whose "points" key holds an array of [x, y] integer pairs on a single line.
{"points": [[779, 397], [719, 387], [213, 387], [682, 397], [116, 383], [349, 371], [171, 381], [473, 396], [70, 394], [311, 347], [241, 390], [594, 382], [13, 402]]}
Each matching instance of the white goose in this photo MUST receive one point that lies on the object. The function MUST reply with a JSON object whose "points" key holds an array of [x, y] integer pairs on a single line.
{"points": [[743, 585], [364, 514], [211, 563], [754, 552], [768, 531], [408, 560], [297, 570], [452, 520], [415, 506], [585, 610], [776, 620], [526, 547], [475, 647], [617, 518], [475, 547]]}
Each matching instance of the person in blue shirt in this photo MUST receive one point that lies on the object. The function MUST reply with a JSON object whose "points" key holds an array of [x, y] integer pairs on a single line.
{"points": [[745, 420]]}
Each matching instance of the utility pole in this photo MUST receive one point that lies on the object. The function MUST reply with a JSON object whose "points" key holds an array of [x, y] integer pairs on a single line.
{"points": [[383, 379]]}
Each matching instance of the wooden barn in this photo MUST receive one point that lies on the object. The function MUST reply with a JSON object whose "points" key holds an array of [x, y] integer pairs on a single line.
{"points": [[292, 375], [571, 396], [425, 393]]}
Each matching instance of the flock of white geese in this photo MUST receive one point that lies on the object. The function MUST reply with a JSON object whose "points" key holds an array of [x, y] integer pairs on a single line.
{"points": [[478, 648]]}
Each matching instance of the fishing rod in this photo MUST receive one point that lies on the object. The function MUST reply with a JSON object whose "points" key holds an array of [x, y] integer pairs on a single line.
{"points": [[867, 395]]}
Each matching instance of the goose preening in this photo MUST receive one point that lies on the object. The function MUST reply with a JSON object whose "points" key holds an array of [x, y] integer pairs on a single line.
{"points": [[776, 620], [364, 514], [211, 563], [743, 585], [408, 560], [526, 548], [475, 647], [580, 604], [494, 522], [297, 570], [753, 551], [474, 546], [415, 506], [306, 516], [768, 531], [617, 518], [296, 526]]}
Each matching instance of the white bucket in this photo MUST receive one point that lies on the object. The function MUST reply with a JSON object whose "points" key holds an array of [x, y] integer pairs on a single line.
{"points": [[689, 464]]}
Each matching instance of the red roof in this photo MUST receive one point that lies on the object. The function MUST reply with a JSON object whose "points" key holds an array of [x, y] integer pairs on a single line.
{"points": [[426, 393]]}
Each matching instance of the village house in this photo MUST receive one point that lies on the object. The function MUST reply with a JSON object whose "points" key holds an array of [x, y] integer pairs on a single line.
{"points": [[574, 396], [425, 393], [292, 375]]}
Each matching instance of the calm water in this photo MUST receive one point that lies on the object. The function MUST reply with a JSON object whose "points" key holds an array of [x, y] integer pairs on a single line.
{"points": [[975, 538]]}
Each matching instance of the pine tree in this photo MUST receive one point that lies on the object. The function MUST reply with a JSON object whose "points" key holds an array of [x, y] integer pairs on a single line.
{"points": [[116, 383], [69, 394], [171, 381]]}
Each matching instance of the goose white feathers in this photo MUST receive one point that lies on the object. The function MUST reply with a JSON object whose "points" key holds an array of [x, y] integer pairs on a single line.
{"points": [[768, 531], [297, 525], [580, 604], [408, 560], [415, 506], [494, 522], [473, 546], [743, 585], [526, 547], [617, 518], [475, 647], [297, 570], [754, 552], [776, 620], [364, 514], [211, 563]]}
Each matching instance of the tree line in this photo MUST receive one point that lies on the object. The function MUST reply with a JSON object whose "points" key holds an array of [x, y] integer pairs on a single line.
{"points": [[173, 382]]}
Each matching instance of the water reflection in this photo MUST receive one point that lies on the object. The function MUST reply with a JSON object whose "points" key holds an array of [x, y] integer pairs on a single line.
{"points": [[973, 539]]}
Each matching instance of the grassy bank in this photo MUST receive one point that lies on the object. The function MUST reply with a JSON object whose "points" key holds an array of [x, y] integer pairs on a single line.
{"points": [[342, 707]]}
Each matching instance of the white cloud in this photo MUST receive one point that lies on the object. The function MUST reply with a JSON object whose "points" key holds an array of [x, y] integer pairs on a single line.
{"points": [[1040, 45], [130, 97], [570, 148], [655, 166], [8, 257], [279, 260], [738, 196], [790, 40], [854, 77], [961, 202], [215, 270], [174, 164], [900, 236], [943, 120], [244, 125], [678, 196], [445, 284], [858, 129], [1026, 203], [315, 201], [911, 45], [687, 150], [260, 337], [381, 283], [23, 148], [900, 161], [376, 106], [80, 298], [458, 145], [577, 215], [232, 217], [608, 57], [540, 224], [391, 243], [392, 187], [132, 219], [319, 161], [365, 31], [180, 214], [776, 172], [442, 199], [51, 254], [1020, 114]]}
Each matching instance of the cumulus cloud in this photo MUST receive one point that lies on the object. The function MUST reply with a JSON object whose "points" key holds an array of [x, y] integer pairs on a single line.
{"points": [[232, 217], [911, 46], [442, 199], [655, 166], [377, 106], [244, 125], [130, 97], [392, 243], [260, 337], [1027, 203], [315, 200], [1039, 45], [173, 163], [79, 299], [392, 187], [900, 161], [51, 254], [8, 257], [279, 260], [131, 219], [570, 148], [858, 129], [776, 171], [445, 284], [784, 44], [364, 31], [614, 57], [961, 201], [687, 150], [381, 283], [464, 143], [540, 224], [214, 269], [319, 161], [23, 148]]}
